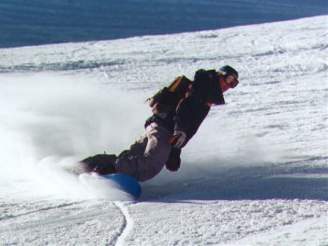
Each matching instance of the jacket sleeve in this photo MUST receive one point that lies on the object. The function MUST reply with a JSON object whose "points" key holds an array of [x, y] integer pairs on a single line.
{"points": [[189, 116], [184, 114]]}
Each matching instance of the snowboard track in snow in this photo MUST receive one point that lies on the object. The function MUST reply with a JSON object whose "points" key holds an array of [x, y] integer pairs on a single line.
{"points": [[60, 206], [126, 227]]}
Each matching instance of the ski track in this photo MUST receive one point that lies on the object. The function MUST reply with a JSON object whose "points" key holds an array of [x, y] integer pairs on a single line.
{"points": [[127, 226], [13, 216]]}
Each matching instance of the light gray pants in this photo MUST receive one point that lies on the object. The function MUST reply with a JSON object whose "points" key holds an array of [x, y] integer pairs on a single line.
{"points": [[147, 156]]}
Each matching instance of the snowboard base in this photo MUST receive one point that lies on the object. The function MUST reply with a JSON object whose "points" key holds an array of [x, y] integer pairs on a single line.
{"points": [[113, 186]]}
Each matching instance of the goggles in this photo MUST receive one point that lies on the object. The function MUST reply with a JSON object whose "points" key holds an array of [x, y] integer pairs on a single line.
{"points": [[231, 80]]}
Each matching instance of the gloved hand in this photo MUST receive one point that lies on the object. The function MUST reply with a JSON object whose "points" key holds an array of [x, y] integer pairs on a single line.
{"points": [[178, 139], [174, 161]]}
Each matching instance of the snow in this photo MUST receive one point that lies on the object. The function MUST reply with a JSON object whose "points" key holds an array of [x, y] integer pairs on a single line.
{"points": [[53, 21], [220, 222], [256, 173]]}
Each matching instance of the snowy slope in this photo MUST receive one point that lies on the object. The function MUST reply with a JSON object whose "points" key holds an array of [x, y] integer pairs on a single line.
{"points": [[255, 174], [38, 22]]}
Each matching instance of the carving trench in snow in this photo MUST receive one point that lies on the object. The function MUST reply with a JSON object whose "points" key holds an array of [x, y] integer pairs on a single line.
{"points": [[127, 226]]}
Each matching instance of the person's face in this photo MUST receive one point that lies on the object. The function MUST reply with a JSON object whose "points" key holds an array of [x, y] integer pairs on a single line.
{"points": [[228, 82]]}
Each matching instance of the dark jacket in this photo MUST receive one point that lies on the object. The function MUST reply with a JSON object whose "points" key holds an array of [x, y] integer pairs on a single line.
{"points": [[191, 112], [189, 116]]}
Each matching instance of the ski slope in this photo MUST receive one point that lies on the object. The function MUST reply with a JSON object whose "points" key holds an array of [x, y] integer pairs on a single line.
{"points": [[255, 174], [44, 22]]}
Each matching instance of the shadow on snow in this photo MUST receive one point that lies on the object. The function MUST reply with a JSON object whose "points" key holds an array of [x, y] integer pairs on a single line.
{"points": [[244, 183]]}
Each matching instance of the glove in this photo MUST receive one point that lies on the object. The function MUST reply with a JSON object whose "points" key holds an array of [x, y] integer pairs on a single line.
{"points": [[178, 139]]}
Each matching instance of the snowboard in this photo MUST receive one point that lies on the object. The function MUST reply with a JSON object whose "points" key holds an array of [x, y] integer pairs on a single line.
{"points": [[113, 186]]}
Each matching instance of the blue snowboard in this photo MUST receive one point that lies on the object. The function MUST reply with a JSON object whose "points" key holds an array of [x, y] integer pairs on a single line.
{"points": [[126, 183]]}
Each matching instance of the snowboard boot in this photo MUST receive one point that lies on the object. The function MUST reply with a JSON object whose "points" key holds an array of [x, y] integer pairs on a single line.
{"points": [[102, 164]]}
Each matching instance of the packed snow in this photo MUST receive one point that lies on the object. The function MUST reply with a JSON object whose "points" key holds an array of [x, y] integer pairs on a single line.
{"points": [[38, 22], [256, 173]]}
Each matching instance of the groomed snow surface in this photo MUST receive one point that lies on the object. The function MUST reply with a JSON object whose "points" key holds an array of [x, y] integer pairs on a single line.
{"points": [[256, 173]]}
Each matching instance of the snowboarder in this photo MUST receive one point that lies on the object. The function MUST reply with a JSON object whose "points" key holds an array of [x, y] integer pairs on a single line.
{"points": [[178, 111]]}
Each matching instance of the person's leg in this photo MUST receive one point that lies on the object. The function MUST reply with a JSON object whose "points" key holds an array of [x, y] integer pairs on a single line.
{"points": [[146, 158], [101, 164], [105, 164]]}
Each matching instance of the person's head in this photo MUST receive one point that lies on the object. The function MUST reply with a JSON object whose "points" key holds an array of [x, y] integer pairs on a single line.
{"points": [[228, 77]]}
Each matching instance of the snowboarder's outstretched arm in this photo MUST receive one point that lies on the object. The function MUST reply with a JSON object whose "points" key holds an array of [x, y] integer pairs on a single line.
{"points": [[189, 116]]}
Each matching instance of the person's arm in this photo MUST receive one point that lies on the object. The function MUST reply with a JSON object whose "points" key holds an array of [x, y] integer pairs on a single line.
{"points": [[190, 114], [184, 114], [189, 117]]}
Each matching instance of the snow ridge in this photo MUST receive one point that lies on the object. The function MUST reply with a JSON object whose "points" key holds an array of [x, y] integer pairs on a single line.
{"points": [[127, 224]]}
